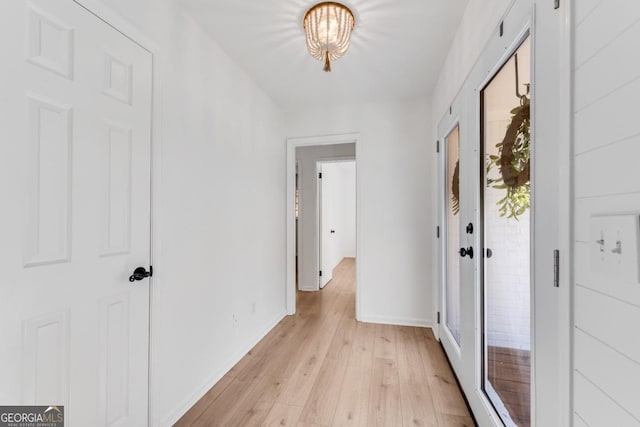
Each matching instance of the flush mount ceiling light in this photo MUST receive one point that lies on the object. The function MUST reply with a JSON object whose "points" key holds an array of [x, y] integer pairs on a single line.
{"points": [[328, 27]]}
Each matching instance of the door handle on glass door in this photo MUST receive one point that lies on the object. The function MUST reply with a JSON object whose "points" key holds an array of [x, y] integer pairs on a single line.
{"points": [[141, 273], [468, 251]]}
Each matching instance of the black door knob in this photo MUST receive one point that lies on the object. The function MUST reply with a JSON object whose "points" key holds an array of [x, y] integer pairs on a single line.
{"points": [[141, 273], [468, 251]]}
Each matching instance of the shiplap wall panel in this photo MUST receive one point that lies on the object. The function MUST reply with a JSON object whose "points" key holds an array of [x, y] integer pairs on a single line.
{"points": [[610, 320], [610, 170], [579, 422], [607, 181], [620, 126], [607, 72], [607, 22], [615, 374], [594, 408], [625, 291], [586, 207], [584, 8]]}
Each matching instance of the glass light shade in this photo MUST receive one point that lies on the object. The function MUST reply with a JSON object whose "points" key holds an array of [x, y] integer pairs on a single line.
{"points": [[328, 28]]}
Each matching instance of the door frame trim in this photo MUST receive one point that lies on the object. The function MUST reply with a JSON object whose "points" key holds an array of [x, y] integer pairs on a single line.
{"points": [[106, 14], [292, 144]]}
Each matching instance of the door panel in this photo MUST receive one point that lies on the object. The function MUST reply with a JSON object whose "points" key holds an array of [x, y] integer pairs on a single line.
{"points": [[76, 177], [324, 224], [330, 191], [505, 201], [455, 167]]}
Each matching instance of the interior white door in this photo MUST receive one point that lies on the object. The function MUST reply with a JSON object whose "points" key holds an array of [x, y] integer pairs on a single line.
{"points": [[332, 217], [75, 172], [325, 221]]}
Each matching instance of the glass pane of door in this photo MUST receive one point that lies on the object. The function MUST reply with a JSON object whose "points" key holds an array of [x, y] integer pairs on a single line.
{"points": [[505, 200], [452, 227]]}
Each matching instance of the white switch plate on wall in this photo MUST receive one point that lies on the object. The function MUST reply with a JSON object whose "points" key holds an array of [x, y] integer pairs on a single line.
{"points": [[615, 246]]}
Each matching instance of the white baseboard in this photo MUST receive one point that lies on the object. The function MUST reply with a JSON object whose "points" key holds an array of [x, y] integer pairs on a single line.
{"points": [[187, 403], [399, 321]]}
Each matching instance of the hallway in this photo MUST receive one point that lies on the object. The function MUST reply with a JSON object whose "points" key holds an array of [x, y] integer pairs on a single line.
{"points": [[322, 368]]}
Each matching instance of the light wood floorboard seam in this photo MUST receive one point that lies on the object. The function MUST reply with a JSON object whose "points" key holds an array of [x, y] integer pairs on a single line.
{"points": [[322, 368]]}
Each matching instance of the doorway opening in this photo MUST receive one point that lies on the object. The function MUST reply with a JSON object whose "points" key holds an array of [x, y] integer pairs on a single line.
{"points": [[335, 157], [336, 216]]}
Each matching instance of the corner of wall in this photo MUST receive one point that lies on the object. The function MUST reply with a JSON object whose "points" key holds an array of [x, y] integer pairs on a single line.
{"points": [[398, 321], [172, 417]]}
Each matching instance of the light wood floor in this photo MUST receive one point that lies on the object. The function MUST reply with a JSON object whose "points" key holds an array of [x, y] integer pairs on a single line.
{"points": [[322, 368], [510, 376]]}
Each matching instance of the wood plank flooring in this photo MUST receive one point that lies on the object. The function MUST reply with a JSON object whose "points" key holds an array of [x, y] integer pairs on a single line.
{"points": [[510, 376], [322, 368]]}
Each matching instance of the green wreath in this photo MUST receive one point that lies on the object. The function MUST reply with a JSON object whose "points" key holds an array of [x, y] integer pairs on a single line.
{"points": [[514, 163], [455, 189]]}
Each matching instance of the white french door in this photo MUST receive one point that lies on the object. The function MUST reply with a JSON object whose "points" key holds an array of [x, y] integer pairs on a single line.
{"points": [[505, 238], [456, 214], [486, 197], [75, 169]]}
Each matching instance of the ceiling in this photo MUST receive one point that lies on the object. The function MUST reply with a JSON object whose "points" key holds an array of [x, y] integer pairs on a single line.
{"points": [[397, 48]]}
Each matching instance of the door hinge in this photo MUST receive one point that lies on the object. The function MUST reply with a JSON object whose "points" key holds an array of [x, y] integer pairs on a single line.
{"points": [[437, 146], [556, 4], [320, 273], [438, 231], [438, 318], [556, 268], [320, 175]]}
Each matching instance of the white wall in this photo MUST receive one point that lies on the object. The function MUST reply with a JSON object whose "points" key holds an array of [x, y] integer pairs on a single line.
{"points": [[308, 200], [347, 181], [220, 198], [397, 222], [607, 181]]}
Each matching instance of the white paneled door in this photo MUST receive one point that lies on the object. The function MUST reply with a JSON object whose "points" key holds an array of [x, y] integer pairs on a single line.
{"points": [[326, 220], [75, 178]]}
